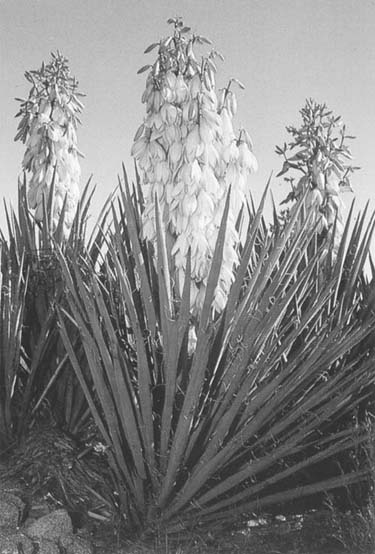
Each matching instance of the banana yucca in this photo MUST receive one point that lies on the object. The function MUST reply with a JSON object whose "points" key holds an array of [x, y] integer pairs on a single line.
{"points": [[318, 150], [240, 425], [49, 129], [189, 157]]}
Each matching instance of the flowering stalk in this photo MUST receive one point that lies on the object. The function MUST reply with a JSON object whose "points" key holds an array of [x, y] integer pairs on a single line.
{"points": [[189, 157], [48, 126], [318, 151]]}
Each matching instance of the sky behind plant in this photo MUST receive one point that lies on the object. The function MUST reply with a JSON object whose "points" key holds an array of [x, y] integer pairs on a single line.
{"points": [[282, 50]]}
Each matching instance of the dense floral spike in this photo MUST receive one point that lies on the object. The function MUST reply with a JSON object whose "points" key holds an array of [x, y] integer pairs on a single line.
{"points": [[49, 128], [318, 151], [189, 157]]}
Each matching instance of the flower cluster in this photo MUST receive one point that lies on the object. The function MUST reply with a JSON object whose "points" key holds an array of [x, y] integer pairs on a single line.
{"points": [[189, 157], [49, 128], [319, 152]]}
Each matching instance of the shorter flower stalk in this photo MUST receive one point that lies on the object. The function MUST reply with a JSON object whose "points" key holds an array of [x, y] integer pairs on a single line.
{"points": [[319, 151], [48, 127]]}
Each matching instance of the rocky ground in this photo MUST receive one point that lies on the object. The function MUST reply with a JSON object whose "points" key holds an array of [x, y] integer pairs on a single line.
{"points": [[37, 524], [36, 528]]}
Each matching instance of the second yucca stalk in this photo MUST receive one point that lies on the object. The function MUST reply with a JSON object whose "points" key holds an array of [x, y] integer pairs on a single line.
{"points": [[49, 129], [320, 152]]}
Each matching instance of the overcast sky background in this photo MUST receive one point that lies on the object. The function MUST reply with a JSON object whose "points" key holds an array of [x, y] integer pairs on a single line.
{"points": [[282, 50]]}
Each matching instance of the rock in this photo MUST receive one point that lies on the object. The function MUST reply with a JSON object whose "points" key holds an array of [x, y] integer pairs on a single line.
{"points": [[52, 526], [12, 543], [74, 544], [45, 546], [10, 510], [9, 515]]}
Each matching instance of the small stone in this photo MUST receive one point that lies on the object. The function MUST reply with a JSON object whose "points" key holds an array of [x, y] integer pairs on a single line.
{"points": [[52, 526], [10, 510], [74, 544], [12, 543]]}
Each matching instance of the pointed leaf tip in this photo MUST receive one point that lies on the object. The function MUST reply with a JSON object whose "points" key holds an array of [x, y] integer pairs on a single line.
{"points": [[143, 69], [151, 47]]}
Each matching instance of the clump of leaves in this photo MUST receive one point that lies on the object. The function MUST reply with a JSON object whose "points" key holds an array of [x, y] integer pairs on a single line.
{"points": [[13, 284], [35, 371]]}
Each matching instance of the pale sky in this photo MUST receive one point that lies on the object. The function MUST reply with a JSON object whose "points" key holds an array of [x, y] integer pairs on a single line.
{"points": [[282, 50]]}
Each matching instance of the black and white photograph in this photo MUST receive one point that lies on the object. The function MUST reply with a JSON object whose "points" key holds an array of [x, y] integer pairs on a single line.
{"points": [[187, 277]]}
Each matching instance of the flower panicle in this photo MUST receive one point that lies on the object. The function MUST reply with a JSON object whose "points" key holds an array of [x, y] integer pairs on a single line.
{"points": [[189, 156], [319, 151], [48, 127]]}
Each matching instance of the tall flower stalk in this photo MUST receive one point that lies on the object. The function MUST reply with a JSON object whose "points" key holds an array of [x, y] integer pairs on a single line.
{"points": [[48, 127], [189, 157], [319, 151]]}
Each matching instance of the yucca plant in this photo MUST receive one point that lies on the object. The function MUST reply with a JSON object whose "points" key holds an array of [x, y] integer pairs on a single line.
{"points": [[204, 440], [41, 403], [317, 163], [47, 434], [50, 212]]}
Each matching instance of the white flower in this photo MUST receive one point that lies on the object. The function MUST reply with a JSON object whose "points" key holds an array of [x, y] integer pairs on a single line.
{"points": [[192, 143], [174, 154], [181, 89], [246, 158]]}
